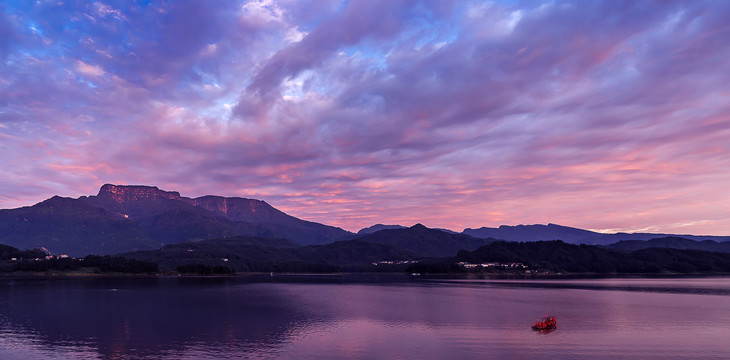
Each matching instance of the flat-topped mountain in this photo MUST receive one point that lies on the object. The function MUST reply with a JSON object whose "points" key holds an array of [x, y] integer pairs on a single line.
{"points": [[139, 201], [135, 201], [132, 193], [223, 216], [532, 233], [127, 218]]}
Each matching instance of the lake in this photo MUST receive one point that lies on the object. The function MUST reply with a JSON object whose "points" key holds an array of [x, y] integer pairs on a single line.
{"points": [[362, 317]]}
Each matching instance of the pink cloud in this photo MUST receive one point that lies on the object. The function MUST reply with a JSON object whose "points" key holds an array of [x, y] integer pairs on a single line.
{"points": [[603, 115]]}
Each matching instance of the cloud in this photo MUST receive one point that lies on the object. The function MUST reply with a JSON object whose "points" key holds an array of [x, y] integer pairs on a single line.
{"points": [[88, 69], [7, 35], [358, 19], [605, 114], [105, 10]]}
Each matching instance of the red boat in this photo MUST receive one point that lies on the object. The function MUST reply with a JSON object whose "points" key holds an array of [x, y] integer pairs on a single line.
{"points": [[546, 323]]}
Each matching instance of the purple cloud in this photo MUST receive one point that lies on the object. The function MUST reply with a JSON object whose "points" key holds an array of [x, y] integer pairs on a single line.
{"points": [[602, 114]]}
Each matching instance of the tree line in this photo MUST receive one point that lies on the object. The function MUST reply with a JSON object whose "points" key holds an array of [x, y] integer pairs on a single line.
{"points": [[558, 256]]}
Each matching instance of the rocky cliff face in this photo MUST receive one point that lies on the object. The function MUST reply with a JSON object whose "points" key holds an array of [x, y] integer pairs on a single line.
{"points": [[240, 209], [262, 214], [128, 193], [135, 201], [124, 197]]}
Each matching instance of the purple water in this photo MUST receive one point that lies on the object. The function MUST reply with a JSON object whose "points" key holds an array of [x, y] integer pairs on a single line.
{"points": [[308, 317]]}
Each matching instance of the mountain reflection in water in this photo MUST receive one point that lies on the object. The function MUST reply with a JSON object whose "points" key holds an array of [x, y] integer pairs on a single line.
{"points": [[148, 317], [362, 317]]}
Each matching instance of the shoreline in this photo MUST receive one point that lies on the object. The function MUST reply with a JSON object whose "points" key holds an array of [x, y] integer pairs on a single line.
{"points": [[262, 275]]}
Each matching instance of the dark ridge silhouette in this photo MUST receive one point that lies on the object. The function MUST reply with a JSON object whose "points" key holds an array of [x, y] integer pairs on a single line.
{"points": [[572, 235], [532, 233], [124, 218], [378, 227], [425, 242], [671, 242]]}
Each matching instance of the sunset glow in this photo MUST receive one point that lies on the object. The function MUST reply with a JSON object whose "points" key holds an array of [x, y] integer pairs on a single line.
{"points": [[604, 115]]}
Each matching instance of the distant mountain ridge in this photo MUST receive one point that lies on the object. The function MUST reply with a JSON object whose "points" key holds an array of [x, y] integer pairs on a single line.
{"points": [[532, 233], [124, 218], [425, 242], [671, 242], [572, 235], [378, 227]]}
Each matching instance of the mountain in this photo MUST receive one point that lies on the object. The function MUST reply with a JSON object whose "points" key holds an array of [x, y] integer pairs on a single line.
{"points": [[223, 215], [532, 233], [135, 202], [261, 214], [571, 235], [181, 225], [425, 242], [606, 239], [129, 218], [123, 218], [378, 227], [66, 225], [671, 242]]}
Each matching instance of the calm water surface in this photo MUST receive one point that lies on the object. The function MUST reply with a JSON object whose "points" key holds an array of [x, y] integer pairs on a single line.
{"points": [[366, 317]]}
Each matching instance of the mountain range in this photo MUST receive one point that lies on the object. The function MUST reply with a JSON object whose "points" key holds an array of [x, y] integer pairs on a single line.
{"points": [[671, 242], [127, 218], [572, 235]]}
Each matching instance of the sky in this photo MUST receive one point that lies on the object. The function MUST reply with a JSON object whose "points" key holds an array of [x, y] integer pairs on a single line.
{"points": [[604, 115]]}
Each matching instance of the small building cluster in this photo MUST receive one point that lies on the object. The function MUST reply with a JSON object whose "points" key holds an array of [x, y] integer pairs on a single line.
{"points": [[394, 262], [493, 265], [47, 257]]}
